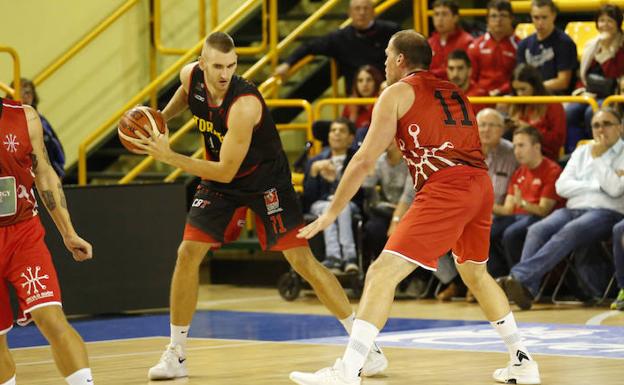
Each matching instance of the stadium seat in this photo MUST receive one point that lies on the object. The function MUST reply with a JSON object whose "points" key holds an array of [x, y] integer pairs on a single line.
{"points": [[523, 30], [581, 32]]}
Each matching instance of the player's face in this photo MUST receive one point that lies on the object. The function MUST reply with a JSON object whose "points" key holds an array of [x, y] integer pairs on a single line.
{"points": [[499, 22], [458, 72], [524, 150], [339, 137], [218, 67], [443, 20], [606, 128], [543, 19], [392, 69], [361, 13], [522, 88], [490, 129], [365, 84]]}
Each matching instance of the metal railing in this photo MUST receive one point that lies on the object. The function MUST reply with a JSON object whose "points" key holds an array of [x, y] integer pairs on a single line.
{"points": [[108, 125], [15, 91], [613, 99], [50, 69], [306, 126]]}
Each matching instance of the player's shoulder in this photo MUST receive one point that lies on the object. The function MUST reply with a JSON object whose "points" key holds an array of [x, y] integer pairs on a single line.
{"points": [[30, 112], [186, 71]]}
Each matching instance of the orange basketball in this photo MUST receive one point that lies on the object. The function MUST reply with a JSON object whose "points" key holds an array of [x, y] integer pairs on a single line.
{"points": [[137, 119]]}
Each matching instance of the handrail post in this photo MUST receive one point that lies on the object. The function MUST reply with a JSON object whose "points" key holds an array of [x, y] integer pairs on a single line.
{"points": [[153, 64], [273, 34], [202, 18], [17, 86], [214, 14]]}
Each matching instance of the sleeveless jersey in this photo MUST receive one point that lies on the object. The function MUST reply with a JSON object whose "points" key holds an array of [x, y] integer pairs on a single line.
{"points": [[439, 130], [17, 199], [265, 156]]}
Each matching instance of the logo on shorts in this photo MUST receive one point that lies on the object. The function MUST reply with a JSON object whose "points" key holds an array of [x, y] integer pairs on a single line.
{"points": [[201, 203], [33, 284], [271, 201]]}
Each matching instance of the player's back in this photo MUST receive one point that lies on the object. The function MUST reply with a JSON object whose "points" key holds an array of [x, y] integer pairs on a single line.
{"points": [[439, 130]]}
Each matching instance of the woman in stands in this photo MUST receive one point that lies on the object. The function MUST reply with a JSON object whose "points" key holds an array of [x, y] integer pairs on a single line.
{"points": [[367, 84], [548, 118], [602, 63]]}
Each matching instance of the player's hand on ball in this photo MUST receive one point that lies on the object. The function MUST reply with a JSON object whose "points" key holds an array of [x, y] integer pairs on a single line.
{"points": [[156, 144], [320, 224], [81, 250]]}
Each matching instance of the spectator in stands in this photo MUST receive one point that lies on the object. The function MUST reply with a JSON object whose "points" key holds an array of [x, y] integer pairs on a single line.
{"points": [[593, 186], [448, 35], [52, 143], [501, 162], [395, 186], [620, 91], [322, 175], [549, 118], [618, 256], [531, 196], [601, 65], [493, 55], [367, 84], [363, 42], [549, 49], [459, 71]]}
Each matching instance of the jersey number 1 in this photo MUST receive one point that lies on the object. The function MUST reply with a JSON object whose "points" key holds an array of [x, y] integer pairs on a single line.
{"points": [[449, 118]]}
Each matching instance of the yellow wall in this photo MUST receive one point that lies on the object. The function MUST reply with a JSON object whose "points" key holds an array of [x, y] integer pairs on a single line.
{"points": [[107, 73]]}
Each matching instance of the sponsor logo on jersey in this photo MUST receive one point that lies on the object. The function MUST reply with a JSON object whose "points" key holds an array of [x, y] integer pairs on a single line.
{"points": [[206, 126], [11, 143], [271, 201], [199, 97]]}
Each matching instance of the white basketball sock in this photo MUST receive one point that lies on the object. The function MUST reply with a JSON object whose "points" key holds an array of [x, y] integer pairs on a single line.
{"points": [[360, 342], [507, 329], [179, 335], [348, 323], [11, 381], [80, 377]]}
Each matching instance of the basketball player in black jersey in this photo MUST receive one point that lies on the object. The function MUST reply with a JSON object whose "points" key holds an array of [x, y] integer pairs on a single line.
{"points": [[245, 167]]}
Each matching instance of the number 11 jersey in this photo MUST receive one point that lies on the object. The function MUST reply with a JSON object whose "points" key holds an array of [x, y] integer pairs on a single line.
{"points": [[439, 130]]}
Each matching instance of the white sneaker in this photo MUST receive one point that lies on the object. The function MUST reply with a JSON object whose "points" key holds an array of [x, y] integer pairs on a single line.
{"points": [[376, 362], [327, 376], [172, 365], [525, 373]]}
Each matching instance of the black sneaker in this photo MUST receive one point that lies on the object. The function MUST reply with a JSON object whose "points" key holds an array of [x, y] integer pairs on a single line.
{"points": [[518, 293], [333, 264]]}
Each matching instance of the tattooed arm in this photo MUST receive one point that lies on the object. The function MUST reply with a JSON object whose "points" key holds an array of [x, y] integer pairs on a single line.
{"points": [[51, 191]]}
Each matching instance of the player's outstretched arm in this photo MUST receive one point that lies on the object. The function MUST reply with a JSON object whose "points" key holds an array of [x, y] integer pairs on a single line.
{"points": [[244, 115], [51, 190], [179, 102], [381, 132]]}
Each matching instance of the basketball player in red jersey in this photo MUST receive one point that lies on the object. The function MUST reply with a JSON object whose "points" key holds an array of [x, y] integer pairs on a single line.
{"points": [[435, 128], [245, 167], [25, 261]]}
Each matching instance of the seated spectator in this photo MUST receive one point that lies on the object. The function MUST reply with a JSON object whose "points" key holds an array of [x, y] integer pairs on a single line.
{"points": [[322, 175], [501, 162], [601, 65], [549, 118], [367, 84], [396, 186], [593, 186], [448, 35], [618, 256], [531, 196], [458, 71], [361, 43], [549, 49], [493, 55], [52, 143]]}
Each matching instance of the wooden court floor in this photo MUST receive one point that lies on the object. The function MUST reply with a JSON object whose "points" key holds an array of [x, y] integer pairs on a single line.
{"points": [[227, 361]]}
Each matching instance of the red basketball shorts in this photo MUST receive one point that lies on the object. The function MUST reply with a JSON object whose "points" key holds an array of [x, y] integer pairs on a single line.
{"points": [[26, 264], [453, 211]]}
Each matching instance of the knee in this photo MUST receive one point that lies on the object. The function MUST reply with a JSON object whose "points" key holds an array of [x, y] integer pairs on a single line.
{"points": [[50, 320], [302, 261], [379, 274], [190, 255]]}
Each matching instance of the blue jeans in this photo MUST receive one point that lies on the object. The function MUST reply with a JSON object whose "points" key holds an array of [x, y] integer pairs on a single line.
{"points": [[339, 242], [618, 252], [553, 238]]}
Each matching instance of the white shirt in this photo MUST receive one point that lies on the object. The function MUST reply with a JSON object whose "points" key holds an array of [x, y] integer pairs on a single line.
{"points": [[590, 183]]}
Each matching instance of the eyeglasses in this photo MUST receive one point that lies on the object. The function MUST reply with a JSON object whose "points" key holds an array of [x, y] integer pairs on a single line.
{"points": [[598, 125]]}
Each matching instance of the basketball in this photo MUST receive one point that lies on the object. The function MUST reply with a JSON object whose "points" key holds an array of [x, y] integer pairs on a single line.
{"points": [[135, 120]]}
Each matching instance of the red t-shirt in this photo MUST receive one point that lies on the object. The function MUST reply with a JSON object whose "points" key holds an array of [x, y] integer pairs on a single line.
{"points": [[493, 62], [552, 126], [363, 117], [459, 39], [439, 130], [17, 199], [536, 184]]}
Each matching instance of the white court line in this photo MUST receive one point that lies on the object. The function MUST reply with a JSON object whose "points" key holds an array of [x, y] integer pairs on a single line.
{"points": [[238, 300], [597, 319], [152, 352]]}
